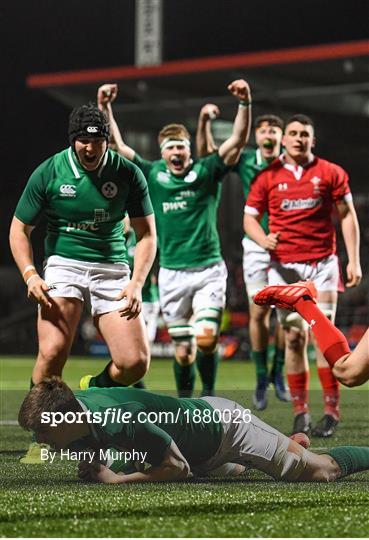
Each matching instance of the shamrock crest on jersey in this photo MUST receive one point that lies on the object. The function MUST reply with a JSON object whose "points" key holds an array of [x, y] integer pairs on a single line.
{"points": [[109, 190]]}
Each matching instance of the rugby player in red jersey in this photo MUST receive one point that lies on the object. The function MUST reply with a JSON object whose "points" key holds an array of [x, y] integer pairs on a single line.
{"points": [[300, 191]]}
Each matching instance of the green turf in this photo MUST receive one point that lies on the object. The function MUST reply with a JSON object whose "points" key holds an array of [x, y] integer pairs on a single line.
{"points": [[48, 501]]}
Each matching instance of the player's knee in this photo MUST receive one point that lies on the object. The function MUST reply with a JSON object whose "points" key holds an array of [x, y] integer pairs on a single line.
{"points": [[141, 366], [295, 339], [207, 344], [129, 372], [52, 352], [206, 331], [185, 353], [259, 314], [137, 361]]}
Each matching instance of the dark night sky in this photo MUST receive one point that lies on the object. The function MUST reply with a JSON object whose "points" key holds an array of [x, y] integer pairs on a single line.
{"points": [[41, 36]]}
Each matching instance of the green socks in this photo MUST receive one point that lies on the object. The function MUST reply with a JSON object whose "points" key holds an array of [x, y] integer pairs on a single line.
{"points": [[103, 380], [351, 459], [207, 364], [185, 379], [261, 363], [278, 362]]}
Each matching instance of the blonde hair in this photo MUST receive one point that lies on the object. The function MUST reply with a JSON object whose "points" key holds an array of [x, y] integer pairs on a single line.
{"points": [[173, 131]]}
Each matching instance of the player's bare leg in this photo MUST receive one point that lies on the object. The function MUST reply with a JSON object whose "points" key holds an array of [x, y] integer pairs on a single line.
{"points": [[352, 369], [276, 374], [297, 368], [207, 327], [128, 346], [292, 461], [56, 329], [184, 365], [259, 338], [327, 301]]}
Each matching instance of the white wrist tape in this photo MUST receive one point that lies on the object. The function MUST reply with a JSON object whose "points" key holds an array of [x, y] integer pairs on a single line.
{"points": [[31, 277], [28, 267]]}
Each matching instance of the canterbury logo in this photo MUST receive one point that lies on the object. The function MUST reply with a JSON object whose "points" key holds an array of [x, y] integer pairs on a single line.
{"points": [[92, 129], [67, 190]]}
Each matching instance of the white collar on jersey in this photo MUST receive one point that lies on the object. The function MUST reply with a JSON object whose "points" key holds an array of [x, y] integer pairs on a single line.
{"points": [[259, 158], [72, 163], [296, 171]]}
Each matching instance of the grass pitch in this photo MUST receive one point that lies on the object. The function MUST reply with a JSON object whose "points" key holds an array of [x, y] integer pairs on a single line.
{"points": [[49, 501]]}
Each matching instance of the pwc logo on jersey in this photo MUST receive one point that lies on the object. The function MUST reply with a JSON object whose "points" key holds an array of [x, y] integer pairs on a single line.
{"points": [[174, 206], [67, 190], [300, 204], [109, 190]]}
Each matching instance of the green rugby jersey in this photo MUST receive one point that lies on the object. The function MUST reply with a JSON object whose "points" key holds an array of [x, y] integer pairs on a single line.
{"points": [[251, 162], [197, 440], [85, 209], [150, 291], [186, 210]]}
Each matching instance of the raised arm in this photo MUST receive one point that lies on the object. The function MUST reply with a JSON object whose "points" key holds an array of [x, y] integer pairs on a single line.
{"points": [[205, 144], [230, 150], [21, 248], [351, 237], [106, 94]]}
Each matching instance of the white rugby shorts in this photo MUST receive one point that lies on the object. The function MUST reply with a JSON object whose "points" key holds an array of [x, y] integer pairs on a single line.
{"points": [[253, 443], [256, 261], [150, 312], [324, 273], [184, 292], [96, 284]]}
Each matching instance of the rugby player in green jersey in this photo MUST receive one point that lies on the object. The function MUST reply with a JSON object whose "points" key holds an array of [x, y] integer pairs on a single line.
{"points": [[185, 195], [256, 259], [85, 191], [172, 437]]}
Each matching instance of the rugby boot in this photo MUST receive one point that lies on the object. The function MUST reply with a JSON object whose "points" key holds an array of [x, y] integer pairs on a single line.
{"points": [[302, 424], [259, 398], [325, 427], [285, 296]]}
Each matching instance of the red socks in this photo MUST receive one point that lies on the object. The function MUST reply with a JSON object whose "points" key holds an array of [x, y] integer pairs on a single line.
{"points": [[331, 392], [331, 341], [299, 386]]}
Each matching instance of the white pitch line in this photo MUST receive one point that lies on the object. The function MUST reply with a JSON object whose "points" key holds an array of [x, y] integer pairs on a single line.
{"points": [[8, 422]]}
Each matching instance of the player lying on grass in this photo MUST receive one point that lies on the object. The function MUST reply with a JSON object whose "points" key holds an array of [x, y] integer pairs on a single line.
{"points": [[178, 436], [351, 369]]}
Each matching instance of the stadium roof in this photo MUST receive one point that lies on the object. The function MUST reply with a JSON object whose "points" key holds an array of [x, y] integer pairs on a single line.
{"points": [[325, 75], [329, 82]]}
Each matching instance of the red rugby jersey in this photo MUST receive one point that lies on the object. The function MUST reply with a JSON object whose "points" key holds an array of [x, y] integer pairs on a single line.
{"points": [[299, 201]]}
